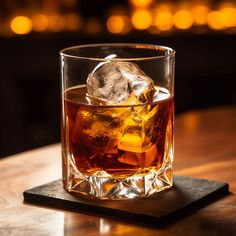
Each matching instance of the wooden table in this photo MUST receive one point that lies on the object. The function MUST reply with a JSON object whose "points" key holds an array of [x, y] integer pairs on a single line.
{"points": [[205, 147]]}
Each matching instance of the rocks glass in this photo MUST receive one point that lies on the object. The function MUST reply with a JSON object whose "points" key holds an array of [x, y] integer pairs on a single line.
{"points": [[117, 119]]}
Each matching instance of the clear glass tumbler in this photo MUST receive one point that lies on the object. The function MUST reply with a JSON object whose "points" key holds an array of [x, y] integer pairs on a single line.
{"points": [[117, 119]]}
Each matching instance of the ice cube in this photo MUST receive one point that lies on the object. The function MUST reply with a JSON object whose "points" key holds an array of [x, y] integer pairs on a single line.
{"points": [[128, 158], [99, 128], [118, 82], [131, 143], [145, 159], [140, 129]]}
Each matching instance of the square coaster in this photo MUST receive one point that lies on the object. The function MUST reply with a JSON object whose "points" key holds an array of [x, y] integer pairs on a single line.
{"points": [[187, 195]]}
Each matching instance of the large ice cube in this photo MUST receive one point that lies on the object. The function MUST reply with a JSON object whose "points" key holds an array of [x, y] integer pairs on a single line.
{"points": [[99, 128], [139, 129], [118, 82], [145, 159]]}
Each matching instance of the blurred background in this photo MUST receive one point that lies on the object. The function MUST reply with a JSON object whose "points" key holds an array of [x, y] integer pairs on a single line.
{"points": [[32, 32]]}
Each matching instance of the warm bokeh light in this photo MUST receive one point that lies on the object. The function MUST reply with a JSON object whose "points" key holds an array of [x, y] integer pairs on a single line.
{"points": [[115, 24], [153, 16], [40, 22], [215, 20], [141, 3], [92, 26], [164, 7], [200, 14], [228, 16], [183, 19], [118, 24], [141, 19], [21, 25], [163, 20], [56, 22], [73, 21]]}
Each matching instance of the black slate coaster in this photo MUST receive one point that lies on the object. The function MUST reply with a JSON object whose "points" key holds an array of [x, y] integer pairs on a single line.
{"points": [[187, 195]]}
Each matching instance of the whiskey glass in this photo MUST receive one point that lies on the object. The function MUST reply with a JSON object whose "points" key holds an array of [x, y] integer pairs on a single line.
{"points": [[121, 150]]}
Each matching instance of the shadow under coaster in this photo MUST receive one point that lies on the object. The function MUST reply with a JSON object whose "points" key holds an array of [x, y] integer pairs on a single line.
{"points": [[187, 195]]}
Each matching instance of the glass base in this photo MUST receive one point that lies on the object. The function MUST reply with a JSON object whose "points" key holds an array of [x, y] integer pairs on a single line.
{"points": [[102, 185]]}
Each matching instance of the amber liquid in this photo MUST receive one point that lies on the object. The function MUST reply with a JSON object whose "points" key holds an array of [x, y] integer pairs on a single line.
{"points": [[120, 140]]}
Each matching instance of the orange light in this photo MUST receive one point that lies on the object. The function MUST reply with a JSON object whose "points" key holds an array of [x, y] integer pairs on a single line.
{"points": [[163, 20], [141, 19], [40, 22], [118, 24], [200, 14], [21, 25], [141, 3], [73, 21], [183, 19], [215, 20], [228, 16], [164, 7], [115, 24], [56, 22]]}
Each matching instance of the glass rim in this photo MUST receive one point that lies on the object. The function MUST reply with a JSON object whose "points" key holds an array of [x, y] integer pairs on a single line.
{"points": [[171, 52]]}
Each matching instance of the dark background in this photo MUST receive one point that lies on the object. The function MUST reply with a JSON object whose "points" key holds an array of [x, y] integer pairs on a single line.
{"points": [[30, 78]]}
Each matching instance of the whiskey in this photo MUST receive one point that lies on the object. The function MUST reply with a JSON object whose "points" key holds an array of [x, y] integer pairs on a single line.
{"points": [[118, 140]]}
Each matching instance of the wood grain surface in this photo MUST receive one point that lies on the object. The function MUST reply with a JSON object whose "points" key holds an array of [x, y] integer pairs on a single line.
{"points": [[204, 148]]}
